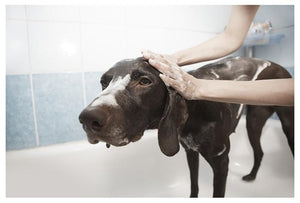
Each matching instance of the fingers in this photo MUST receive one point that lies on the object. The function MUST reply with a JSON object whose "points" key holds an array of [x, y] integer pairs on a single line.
{"points": [[172, 74], [159, 57], [177, 85], [171, 71], [147, 54], [162, 67], [163, 63]]}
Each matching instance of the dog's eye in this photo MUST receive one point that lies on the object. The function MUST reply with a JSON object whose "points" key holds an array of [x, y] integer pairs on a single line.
{"points": [[145, 81], [104, 84]]}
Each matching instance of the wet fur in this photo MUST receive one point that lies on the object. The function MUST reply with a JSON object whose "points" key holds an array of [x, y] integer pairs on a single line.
{"points": [[202, 127]]}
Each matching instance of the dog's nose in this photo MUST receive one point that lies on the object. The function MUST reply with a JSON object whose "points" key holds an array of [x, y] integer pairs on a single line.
{"points": [[92, 119]]}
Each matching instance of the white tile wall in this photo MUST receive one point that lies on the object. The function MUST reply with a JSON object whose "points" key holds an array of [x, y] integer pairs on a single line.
{"points": [[17, 60], [211, 19], [53, 13], [15, 12], [200, 18], [161, 40], [102, 14], [92, 38], [138, 38], [146, 16], [181, 39], [54, 47], [102, 46]]}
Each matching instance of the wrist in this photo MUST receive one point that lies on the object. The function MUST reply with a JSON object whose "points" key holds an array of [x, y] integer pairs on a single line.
{"points": [[206, 89], [177, 58], [185, 57], [201, 89]]}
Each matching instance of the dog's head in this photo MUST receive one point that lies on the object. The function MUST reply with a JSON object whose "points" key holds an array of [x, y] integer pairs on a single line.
{"points": [[134, 99]]}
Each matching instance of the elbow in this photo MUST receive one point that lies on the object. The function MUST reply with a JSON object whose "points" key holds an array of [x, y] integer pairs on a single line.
{"points": [[234, 41], [235, 44]]}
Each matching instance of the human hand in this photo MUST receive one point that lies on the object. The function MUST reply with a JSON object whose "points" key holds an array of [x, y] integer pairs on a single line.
{"points": [[172, 75]]}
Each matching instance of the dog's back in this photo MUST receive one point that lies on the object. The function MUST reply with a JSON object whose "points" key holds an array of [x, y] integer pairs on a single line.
{"points": [[241, 69]]}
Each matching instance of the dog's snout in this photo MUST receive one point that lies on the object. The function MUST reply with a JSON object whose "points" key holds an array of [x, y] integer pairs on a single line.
{"points": [[92, 119]]}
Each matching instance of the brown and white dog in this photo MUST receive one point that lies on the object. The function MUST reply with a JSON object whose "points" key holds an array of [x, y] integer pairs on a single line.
{"points": [[135, 99]]}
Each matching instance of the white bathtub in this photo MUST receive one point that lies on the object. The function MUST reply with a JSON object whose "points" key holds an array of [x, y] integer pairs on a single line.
{"points": [[79, 169]]}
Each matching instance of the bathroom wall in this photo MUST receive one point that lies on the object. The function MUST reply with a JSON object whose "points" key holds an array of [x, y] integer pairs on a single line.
{"points": [[55, 56]]}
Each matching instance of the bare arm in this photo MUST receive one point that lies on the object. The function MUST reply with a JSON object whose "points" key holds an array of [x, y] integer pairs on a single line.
{"points": [[223, 44], [261, 92]]}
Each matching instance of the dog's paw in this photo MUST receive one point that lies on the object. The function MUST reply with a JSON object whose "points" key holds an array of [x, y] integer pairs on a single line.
{"points": [[249, 178]]}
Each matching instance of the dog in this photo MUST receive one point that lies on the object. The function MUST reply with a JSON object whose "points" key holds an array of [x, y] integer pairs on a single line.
{"points": [[135, 99]]}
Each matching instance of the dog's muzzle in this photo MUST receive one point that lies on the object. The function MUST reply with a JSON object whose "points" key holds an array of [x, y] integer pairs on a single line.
{"points": [[100, 125], [93, 119]]}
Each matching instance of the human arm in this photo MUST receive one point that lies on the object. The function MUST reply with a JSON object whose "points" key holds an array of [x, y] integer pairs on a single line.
{"points": [[278, 92], [261, 92], [223, 44]]}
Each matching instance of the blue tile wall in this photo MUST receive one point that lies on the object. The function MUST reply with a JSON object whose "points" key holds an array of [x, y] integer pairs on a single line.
{"points": [[59, 100], [20, 132], [92, 85]]}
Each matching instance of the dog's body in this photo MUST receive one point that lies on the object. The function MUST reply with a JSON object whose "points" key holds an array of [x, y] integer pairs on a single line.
{"points": [[135, 99]]}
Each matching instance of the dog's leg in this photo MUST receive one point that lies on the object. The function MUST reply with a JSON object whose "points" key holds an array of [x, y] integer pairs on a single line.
{"points": [[286, 116], [255, 121], [193, 162], [220, 169]]}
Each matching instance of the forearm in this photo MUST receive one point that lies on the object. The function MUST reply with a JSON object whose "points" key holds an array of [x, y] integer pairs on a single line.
{"points": [[217, 47], [274, 92], [260, 92], [223, 44]]}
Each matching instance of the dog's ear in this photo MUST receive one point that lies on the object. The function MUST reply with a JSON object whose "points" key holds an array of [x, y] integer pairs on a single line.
{"points": [[171, 124]]}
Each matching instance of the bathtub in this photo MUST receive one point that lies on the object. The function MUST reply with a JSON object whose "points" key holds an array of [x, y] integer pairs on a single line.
{"points": [[79, 169]]}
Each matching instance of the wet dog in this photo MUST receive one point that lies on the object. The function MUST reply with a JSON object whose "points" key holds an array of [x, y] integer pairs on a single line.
{"points": [[135, 99]]}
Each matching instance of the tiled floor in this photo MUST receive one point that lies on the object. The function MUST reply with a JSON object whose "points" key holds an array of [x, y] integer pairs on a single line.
{"points": [[78, 169]]}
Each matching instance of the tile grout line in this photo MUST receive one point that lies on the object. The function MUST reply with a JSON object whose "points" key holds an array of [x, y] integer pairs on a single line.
{"points": [[81, 59], [31, 83]]}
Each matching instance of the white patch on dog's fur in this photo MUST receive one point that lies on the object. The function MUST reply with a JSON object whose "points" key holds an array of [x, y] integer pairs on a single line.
{"points": [[261, 68], [241, 76], [189, 142], [240, 111], [108, 96], [124, 141], [215, 74], [229, 64], [222, 151]]}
